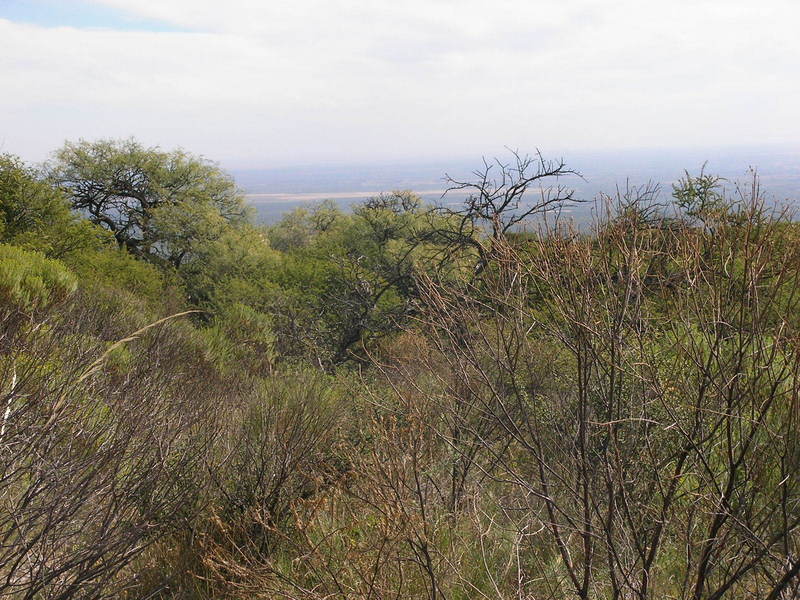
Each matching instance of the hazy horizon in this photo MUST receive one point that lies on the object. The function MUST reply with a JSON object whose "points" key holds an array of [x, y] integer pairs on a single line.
{"points": [[275, 190]]}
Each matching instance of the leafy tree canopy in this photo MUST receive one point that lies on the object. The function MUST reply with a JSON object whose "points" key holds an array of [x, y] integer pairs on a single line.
{"points": [[35, 216], [156, 204]]}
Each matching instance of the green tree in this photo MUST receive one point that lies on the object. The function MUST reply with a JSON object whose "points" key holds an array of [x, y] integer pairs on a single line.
{"points": [[700, 197], [36, 216], [156, 204], [354, 275]]}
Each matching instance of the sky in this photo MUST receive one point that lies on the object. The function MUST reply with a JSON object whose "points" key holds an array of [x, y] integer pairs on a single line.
{"points": [[270, 83]]}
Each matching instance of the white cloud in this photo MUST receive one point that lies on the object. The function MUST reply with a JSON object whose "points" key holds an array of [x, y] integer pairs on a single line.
{"points": [[346, 80]]}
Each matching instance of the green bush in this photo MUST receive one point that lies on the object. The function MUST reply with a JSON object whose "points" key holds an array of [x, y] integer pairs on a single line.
{"points": [[116, 269], [30, 282], [35, 216]]}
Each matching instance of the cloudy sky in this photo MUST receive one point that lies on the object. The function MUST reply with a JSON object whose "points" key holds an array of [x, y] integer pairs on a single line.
{"points": [[276, 82]]}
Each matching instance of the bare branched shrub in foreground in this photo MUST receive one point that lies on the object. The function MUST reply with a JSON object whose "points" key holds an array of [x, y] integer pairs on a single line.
{"points": [[96, 461], [501, 197], [280, 449], [647, 377], [610, 414]]}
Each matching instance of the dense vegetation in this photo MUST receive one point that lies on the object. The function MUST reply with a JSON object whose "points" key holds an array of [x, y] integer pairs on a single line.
{"points": [[404, 401]]}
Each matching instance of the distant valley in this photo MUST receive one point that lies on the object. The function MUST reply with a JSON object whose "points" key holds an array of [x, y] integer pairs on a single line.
{"points": [[273, 192]]}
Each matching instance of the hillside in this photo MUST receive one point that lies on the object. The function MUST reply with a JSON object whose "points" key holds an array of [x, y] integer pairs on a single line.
{"points": [[477, 399]]}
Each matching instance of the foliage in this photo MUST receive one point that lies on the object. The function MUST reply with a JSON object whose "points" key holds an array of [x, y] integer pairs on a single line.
{"points": [[700, 196], [156, 204], [35, 216], [31, 283], [115, 270], [402, 401]]}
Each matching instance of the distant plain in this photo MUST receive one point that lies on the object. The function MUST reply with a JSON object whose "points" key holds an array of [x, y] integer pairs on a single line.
{"points": [[275, 191]]}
